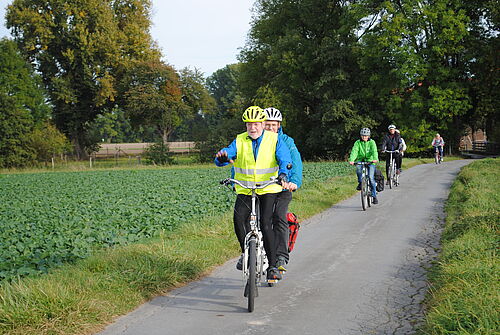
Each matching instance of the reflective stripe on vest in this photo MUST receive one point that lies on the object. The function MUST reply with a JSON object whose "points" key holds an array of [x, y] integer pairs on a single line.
{"points": [[257, 171], [248, 171]]}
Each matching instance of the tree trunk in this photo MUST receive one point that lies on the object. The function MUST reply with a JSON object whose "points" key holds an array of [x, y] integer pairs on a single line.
{"points": [[79, 147], [164, 133]]}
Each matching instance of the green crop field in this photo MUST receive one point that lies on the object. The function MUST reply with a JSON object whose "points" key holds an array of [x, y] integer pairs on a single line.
{"points": [[47, 219]]}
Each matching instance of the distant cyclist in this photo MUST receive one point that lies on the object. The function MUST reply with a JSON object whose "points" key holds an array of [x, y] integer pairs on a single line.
{"points": [[256, 155], [365, 150], [403, 149], [280, 223], [438, 144], [392, 142]]}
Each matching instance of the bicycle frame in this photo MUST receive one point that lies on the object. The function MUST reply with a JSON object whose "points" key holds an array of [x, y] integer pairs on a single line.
{"points": [[253, 235], [437, 155], [365, 185], [393, 176]]}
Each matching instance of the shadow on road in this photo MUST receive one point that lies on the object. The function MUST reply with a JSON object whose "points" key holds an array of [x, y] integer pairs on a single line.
{"points": [[218, 295]]}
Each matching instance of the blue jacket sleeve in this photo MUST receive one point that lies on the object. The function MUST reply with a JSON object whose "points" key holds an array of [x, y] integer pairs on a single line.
{"points": [[283, 156], [296, 172], [231, 153]]}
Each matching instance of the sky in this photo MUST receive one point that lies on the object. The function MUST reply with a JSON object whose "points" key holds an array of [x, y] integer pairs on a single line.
{"points": [[202, 34]]}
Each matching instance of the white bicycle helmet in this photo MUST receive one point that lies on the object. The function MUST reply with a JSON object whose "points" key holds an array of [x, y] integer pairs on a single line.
{"points": [[391, 127], [365, 132], [273, 114]]}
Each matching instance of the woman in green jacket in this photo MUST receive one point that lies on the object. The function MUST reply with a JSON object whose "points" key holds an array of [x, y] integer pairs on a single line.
{"points": [[365, 150]]}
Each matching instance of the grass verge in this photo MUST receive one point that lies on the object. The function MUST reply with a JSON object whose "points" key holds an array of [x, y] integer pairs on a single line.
{"points": [[465, 287], [82, 298]]}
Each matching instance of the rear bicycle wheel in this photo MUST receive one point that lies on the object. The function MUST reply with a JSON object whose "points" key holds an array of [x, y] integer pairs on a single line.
{"points": [[436, 158], [252, 274]]}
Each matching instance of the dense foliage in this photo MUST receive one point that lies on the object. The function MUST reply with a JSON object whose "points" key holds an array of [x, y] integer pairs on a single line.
{"points": [[50, 218], [334, 66], [82, 51], [26, 135]]}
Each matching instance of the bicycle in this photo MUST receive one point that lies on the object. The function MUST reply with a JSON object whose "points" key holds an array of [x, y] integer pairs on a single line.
{"points": [[254, 254], [365, 185], [437, 156], [393, 176]]}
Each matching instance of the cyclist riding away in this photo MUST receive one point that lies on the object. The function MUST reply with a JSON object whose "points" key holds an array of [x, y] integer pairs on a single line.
{"points": [[438, 144], [392, 142], [257, 155], [365, 150], [280, 222]]}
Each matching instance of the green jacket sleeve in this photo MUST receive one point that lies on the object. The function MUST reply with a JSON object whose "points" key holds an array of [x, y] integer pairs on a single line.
{"points": [[374, 151], [354, 152]]}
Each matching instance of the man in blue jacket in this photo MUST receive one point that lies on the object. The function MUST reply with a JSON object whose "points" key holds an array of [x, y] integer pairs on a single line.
{"points": [[256, 155], [280, 222]]}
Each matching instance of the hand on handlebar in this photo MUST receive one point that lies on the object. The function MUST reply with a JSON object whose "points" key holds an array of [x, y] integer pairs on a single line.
{"points": [[289, 186]]}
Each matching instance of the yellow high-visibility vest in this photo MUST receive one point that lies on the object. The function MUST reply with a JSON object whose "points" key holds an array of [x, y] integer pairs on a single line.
{"points": [[250, 172]]}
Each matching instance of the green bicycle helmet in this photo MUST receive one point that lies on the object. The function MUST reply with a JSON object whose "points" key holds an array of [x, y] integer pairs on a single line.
{"points": [[254, 114]]}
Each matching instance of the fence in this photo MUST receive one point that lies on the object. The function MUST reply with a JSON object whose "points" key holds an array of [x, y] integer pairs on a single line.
{"points": [[481, 147], [136, 149]]}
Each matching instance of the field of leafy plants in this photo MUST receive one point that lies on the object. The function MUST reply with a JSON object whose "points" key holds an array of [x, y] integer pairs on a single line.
{"points": [[47, 219]]}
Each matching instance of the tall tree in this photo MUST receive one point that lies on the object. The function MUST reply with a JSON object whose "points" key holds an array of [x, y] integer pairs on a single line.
{"points": [[155, 97], [420, 46], [304, 53], [22, 106], [82, 50]]}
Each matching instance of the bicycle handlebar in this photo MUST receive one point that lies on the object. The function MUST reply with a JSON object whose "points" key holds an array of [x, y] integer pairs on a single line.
{"points": [[264, 184], [364, 163], [391, 151]]}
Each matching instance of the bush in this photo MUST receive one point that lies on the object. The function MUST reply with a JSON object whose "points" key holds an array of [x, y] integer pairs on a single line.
{"points": [[47, 141], [159, 153]]}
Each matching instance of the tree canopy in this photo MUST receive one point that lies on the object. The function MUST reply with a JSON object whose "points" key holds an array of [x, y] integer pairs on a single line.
{"points": [[22, 106], [335, 66], [82, 49]]}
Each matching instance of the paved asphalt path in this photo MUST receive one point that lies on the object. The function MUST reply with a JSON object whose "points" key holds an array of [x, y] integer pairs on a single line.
{"points": [[351, 272]]}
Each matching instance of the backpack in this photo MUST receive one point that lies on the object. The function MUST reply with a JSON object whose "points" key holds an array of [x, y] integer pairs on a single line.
{"points": [[293, 230], [379, 179]]}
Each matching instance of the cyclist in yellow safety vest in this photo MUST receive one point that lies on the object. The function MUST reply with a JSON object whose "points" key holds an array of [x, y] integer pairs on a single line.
{"points": [[257, 155]]}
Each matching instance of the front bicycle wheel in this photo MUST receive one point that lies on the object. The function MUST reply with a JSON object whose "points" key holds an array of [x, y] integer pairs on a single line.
{"points": [[364, 194], [390, 177], [252, 274]]}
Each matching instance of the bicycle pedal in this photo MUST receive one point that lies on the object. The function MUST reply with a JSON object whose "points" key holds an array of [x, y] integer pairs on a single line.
{"points": [[272, 281]]}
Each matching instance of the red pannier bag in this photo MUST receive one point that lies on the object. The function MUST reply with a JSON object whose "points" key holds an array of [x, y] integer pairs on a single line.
{"points": [[293, 229]]}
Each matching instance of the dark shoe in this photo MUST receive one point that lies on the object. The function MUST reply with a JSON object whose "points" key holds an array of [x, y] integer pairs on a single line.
{"points": [[273, 274], [358, 187], [281, 264], [375, 201], [239, 265]]}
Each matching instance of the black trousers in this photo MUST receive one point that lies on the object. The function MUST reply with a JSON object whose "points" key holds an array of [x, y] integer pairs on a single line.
{"points": [[280, 224], [242, 209], [399, 159]]}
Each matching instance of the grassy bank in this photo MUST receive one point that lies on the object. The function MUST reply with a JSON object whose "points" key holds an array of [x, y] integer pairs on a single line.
{"points": [[465, 294], [81, 298]]}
